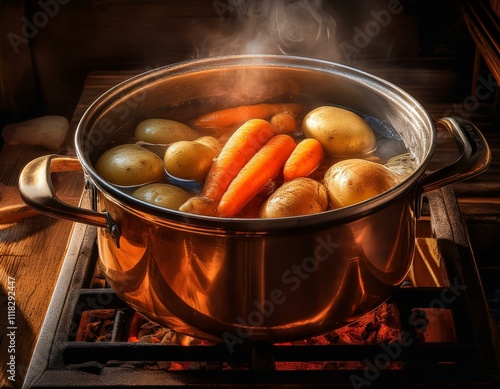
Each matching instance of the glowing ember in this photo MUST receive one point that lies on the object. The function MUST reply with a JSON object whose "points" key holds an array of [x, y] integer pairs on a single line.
{"points": [[380, 326], [96, 325]]}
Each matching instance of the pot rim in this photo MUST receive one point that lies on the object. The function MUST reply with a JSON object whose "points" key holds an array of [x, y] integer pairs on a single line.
{"points": [[390, 90]]}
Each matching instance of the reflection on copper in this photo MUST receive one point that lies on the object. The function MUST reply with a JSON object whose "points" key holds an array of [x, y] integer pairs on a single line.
{"points": [[194, 275], [186, 340], [123, 259], [384, 255]]}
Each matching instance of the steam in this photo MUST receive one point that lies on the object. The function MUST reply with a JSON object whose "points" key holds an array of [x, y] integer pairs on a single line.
{"points": [[290, 27]]}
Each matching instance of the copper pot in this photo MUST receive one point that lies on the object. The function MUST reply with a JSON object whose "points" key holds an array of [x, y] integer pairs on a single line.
{"points": [[236, 280]]}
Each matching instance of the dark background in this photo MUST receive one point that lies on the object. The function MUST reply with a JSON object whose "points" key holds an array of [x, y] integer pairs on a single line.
{"points": [[47, 47]]}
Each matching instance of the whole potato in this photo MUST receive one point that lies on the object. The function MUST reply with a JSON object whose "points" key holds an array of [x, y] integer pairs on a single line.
{"points": [[129, 164], [190, 160], [302, 196], [354, 180], [163, 195], [341, 132], [163, 131]]}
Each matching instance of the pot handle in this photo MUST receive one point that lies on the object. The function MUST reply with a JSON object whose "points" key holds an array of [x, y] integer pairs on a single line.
{"points": [[475, 155], [36, 189]]}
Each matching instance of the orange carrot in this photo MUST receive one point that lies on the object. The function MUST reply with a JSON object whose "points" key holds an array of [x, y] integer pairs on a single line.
{"points": [[251, 208], [306, 157], [231, 116], [265, 164], [238, 150]]}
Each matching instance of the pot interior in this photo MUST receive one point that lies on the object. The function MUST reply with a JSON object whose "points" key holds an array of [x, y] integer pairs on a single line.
{"points": [[187, 90]]}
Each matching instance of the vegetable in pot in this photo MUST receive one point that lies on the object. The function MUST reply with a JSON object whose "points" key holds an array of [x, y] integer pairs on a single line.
{"points": [[234, 167], [163, 131], [283, 122], [305, 158], [341, 132], [301, 196], [265, 165], [163, 195], [242, 145], [129, 165], [238, 150], [191, 160], [237, 115], [354, 180]]}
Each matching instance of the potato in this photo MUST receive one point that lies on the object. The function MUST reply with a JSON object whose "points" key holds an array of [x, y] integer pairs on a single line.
{"points": [[191, 160], [200, 205], [354, 180], [163, 195], [341, 132], [302, 196], [130, 164], [163, 131], [283, 123], [211, 142]]}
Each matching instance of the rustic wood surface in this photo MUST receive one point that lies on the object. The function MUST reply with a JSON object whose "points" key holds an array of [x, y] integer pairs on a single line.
{"points": [[32, 249]]}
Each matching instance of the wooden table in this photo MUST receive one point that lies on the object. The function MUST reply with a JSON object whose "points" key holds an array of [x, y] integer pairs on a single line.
{"points": [[32, 249]]}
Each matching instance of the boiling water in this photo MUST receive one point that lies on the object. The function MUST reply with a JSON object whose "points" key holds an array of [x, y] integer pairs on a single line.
{"points": [[390, 149]]}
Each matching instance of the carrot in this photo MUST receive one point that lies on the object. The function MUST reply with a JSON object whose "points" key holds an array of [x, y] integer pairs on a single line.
{"points": [[236, 115], [265, 164], [306, 157], [251, 208], [237, 151]]}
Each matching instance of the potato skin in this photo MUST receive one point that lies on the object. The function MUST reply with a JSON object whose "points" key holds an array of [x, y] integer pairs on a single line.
{"points": [[130, 164], [163, 195], [163, 131], [354, 180], [190, 160], [283, 123], [341, 132], [302, 196], [210, 142]]}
